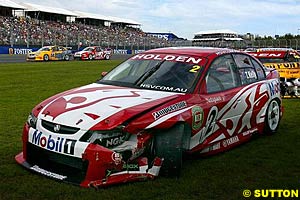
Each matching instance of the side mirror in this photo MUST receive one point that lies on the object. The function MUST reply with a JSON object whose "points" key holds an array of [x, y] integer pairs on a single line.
{"points": [[103, 74]]}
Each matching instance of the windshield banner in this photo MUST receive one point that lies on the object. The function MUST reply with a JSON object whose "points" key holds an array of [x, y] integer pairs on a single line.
{"points": [[174, 58]]}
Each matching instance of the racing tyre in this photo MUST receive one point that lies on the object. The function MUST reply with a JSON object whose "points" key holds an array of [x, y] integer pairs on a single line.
{"points": [[46, 57], [168, 145], [107, 57], [67, 58], [90, 57], [272, 117]]}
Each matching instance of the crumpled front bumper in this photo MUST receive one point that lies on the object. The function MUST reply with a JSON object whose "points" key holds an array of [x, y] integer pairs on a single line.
{"points": [[104, 168], [97, 167]]}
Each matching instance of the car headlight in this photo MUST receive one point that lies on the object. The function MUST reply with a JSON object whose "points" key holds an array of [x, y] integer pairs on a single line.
{"points": [[31, 120], [108, 139]]}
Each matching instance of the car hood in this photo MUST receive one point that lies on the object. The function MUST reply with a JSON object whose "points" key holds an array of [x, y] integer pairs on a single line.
{"points": [[34, 53], [98, 106]]}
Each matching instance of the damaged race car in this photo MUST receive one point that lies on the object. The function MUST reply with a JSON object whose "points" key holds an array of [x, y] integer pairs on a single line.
{"points": [[142, 117], [287, 62]]}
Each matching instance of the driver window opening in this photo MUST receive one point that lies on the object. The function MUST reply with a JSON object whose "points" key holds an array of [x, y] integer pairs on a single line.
{"points": [[222, 75]]}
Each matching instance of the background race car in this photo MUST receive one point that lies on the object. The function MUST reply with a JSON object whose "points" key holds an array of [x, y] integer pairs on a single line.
{"points": [[47, 53], [287, 62], [93, 53]]}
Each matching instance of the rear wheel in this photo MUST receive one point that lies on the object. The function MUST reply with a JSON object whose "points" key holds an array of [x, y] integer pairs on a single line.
{"points": [[169, 146], [90, 57], [272, 117], [67, 57]]}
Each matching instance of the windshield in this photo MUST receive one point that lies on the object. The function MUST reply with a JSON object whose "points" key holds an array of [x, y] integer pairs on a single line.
{"points": [[174, 74], [88, 49], [44, 49]]}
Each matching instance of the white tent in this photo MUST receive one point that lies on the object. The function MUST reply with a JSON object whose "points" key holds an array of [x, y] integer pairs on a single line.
{"points": [[81, 14], [47, 9], [125, 21], [11, 4], [220, 31]]}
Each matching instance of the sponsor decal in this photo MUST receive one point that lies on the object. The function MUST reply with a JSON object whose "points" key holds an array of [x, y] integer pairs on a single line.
{"points": [[174, 58], [169, 109], [214, 99], [230, 141], [117, 158], [249, 132], [47, 173], [250, 74], [120, 51], [19, 51], [58, 144], [198, 115], [225, 52], [138, 51], [10, 51], [274, 87], [160, 36], [165, 88], [131, 167], [282, 65], [267, 55], [115, 141]]}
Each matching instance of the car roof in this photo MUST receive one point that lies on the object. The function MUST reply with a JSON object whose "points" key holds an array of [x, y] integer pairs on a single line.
{"points": [[274, 49], [195, 51]]}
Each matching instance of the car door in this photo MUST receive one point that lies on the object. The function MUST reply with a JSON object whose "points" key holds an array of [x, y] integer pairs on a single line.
{"points": [[54, 53], [219, 87], [254, 95]]}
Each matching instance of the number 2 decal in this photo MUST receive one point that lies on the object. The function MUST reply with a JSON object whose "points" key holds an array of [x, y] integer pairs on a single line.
{"points": [[210, 123], [195, 69]]}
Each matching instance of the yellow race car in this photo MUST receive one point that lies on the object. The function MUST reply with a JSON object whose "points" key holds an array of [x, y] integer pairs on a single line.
{"points": [[47, 53], [287, 62]]}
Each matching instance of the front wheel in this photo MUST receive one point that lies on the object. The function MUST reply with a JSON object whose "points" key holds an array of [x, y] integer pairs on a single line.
{"points": [[90, 57], [46, 57], [272, 117], [169, 146]]}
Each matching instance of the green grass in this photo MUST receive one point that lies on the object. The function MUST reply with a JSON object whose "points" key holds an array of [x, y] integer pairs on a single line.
{"points": [[266, 162]]}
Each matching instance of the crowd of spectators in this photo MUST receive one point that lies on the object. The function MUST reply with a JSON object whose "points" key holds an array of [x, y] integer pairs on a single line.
{"points": [[27, 31]]}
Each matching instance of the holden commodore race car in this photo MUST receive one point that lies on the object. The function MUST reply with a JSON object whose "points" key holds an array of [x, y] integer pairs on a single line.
{"points": [[47, 53], [287, 62], [93, 53], [143, 116]]}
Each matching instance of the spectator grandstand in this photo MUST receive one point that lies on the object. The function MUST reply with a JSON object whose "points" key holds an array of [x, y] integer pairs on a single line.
{"points": [[39, 28]]}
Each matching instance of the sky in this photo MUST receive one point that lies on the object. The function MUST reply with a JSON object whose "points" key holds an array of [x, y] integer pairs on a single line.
{"points": [[184, 18]]}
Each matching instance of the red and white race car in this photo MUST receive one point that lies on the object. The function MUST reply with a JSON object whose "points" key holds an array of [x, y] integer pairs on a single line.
{"points": [[144, 115], [93, 53]]}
